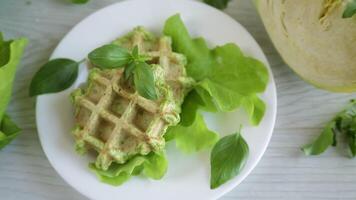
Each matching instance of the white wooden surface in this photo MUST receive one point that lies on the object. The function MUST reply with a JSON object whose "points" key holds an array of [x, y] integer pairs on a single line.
{"points": [[283, 173]]}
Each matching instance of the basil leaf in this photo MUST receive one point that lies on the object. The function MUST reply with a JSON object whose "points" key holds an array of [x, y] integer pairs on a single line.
{"points": [[227, 159], [144, 81], [10, 57], [110, 56], [129, 71], [219, 4], [55, 76], [325, 140], [79, 1], [350, 9], [344, 124]]}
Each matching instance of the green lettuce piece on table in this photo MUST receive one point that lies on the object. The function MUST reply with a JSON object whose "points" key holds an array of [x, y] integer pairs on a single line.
{"points": [[10, 56], [153, 165]]}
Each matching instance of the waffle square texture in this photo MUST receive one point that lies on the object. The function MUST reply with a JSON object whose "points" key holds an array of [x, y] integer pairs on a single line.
{"points": [[114, 120]]}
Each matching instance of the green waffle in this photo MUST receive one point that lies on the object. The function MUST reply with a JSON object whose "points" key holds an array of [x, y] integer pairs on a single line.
{"points": [[114, 120]]}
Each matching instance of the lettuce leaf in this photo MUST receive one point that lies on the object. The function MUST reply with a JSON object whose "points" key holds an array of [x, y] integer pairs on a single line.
{"points": [[10, 55], [11, 52], [234, 77], [193, 138], [153, 165], [227, 79]]}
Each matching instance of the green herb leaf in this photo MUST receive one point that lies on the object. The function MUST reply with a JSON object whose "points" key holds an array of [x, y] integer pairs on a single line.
{"points": [[55, 76], [144, 81], [325, 140], [79, 1], [219, 4], [227, 159], [153, 165], [193, 138], [110, 56], [345, 124], [234, 77], [197, 52], [8, 131], [350, 9]]}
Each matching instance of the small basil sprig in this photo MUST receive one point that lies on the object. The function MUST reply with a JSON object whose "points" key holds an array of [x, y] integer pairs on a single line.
{"points": [[113, 56], [54, 76], [345, 124], [59, 74], [350, 9], [227, 159]]}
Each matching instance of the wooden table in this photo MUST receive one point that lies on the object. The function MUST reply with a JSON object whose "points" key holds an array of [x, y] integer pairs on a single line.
{"points": [[283, 173]]}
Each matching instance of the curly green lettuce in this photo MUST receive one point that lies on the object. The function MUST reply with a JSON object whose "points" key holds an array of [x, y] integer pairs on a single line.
{"points": [[226, 80], [153, 165]]}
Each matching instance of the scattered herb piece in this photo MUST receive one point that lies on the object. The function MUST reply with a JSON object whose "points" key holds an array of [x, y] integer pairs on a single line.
{"points": [[219, 4], [55, 76], [345, 124], [227, 159], [350, 9]]}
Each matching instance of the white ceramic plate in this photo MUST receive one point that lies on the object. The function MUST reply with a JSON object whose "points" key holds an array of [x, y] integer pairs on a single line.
{"points": [[188, 175]]}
